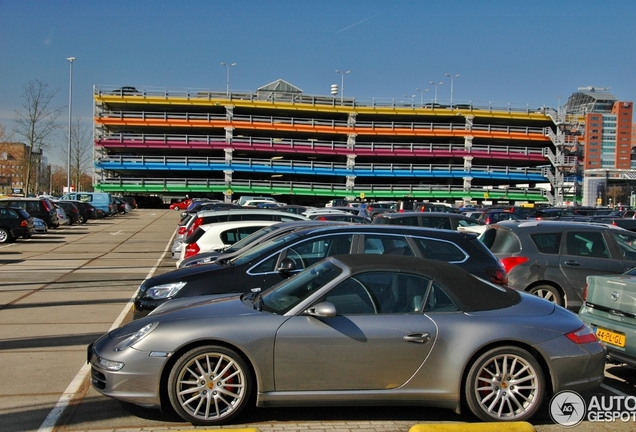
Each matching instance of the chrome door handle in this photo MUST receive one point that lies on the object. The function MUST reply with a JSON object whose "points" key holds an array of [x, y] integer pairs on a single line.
{"points": [[417, 337], [572, 263]]}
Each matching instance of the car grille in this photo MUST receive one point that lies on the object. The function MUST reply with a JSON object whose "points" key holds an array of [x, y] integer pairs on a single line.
{"points": [[98, 379]]}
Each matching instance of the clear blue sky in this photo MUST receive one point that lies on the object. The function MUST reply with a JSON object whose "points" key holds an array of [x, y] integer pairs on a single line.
{"points": [[505, 51]]}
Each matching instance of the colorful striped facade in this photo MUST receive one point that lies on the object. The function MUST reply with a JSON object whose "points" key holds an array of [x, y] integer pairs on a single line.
{"points": [[278, 141]]}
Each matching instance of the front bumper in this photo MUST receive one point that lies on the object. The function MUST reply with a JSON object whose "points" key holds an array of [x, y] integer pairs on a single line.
{"points": [[138, 382]]}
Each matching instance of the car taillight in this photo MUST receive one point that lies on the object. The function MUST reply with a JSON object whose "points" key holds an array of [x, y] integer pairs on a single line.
{"points": [[487, 221], [181, 230], [24, 223], [582, 335], [197, 222], [191, 249], [46, 206], [497, 275], [585, 293], [511, 262]]}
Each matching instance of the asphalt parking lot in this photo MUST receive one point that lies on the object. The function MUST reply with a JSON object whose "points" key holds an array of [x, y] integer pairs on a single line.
{"points": [[60, 291]]}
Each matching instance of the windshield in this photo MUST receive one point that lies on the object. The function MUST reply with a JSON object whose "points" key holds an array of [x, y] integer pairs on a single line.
{"points": [[294, 290], [251, 238], [263, 249]]}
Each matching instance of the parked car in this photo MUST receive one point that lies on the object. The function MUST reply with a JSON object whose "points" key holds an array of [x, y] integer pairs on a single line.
{"points": [[217, 236], [377, 208], [268, 263], [179, 205], [72, 212], [610, 310], [100, 200], [488, 217], [344, 217], [39, 226], [334, 335], [15, 222], [212, 216], [434, 207], [551, 213], [552, 258], [451, 221], [42, 208], [260, 236], [61, 215], [87, 211]]}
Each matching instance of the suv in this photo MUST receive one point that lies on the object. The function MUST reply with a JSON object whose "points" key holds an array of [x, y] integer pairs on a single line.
{"points": [[41, 208], [375, 208], [270, 262], [552, 258], [451, 221], [15, 222]]}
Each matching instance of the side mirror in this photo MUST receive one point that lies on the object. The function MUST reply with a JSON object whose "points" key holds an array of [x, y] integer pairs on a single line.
{"points": [[286, 265], [322, 310]]}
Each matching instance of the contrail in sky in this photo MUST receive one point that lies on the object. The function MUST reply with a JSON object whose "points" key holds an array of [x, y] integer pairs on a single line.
{"points": [[359, 22]]}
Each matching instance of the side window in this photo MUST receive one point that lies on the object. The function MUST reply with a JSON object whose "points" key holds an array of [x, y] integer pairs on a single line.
{"points": [[436, 222], [438, 301], [466, 222], [386, 244], [586, 244], [380, 293], [627, 245], [310, 252], [351, 297], [236, 234], [440, 250], [547, 243], [410, 221]]}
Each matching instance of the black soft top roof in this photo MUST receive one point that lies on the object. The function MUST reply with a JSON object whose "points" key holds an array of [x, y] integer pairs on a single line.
{"points": [[470, 293]]}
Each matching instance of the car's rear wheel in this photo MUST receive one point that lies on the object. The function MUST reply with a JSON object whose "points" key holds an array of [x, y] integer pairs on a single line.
{"points": [[209, 385], [505, 384], [81, 219], [549, 293], [5, 236]]}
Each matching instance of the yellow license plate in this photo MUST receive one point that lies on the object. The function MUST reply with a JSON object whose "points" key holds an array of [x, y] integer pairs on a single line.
{"points": [[610, 337]]}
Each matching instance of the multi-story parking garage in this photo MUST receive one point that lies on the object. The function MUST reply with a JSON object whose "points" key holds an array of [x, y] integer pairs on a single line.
{"points": [[302, 148]]}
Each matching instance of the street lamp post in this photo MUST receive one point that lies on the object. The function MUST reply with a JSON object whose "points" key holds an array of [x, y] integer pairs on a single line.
{"points": [[70, 112], [228, 65], [342, 73], [436, 84], [421, 95], [452, 77]]}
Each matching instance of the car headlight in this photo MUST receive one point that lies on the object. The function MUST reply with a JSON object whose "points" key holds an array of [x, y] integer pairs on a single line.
{"points": [[164, 291], [136, 337]]}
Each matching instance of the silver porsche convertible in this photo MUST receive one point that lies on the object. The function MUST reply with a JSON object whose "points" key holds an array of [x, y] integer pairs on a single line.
{"points": [[352, 330]]}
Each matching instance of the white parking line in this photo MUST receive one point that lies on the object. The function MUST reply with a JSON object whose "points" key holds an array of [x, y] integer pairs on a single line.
{"points": [[51, 419]]}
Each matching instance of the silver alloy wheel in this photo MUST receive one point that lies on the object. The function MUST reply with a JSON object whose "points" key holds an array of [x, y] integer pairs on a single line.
{"points": [[549, 293], [505, 384], [209, 385], [4, 236]]}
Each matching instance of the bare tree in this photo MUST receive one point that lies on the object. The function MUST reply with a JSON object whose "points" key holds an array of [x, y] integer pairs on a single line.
{"points": [[36, 124], [81, 151]]}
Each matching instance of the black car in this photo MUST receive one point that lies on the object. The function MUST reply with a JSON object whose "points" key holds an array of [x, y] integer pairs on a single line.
{"points": [[551, 259], [451, 221], [87, 211], [262, 235], [14, 223], [41, 208], [270, 262], [72, 211]]}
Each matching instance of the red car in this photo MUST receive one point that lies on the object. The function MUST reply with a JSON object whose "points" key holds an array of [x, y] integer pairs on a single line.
{"points": [[181, 205]]}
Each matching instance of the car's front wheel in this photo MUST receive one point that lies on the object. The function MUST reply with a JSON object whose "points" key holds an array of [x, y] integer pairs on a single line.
{"points": [[209, 385], [549, 293], [5, 236], [505, 384], [81, 219]]}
